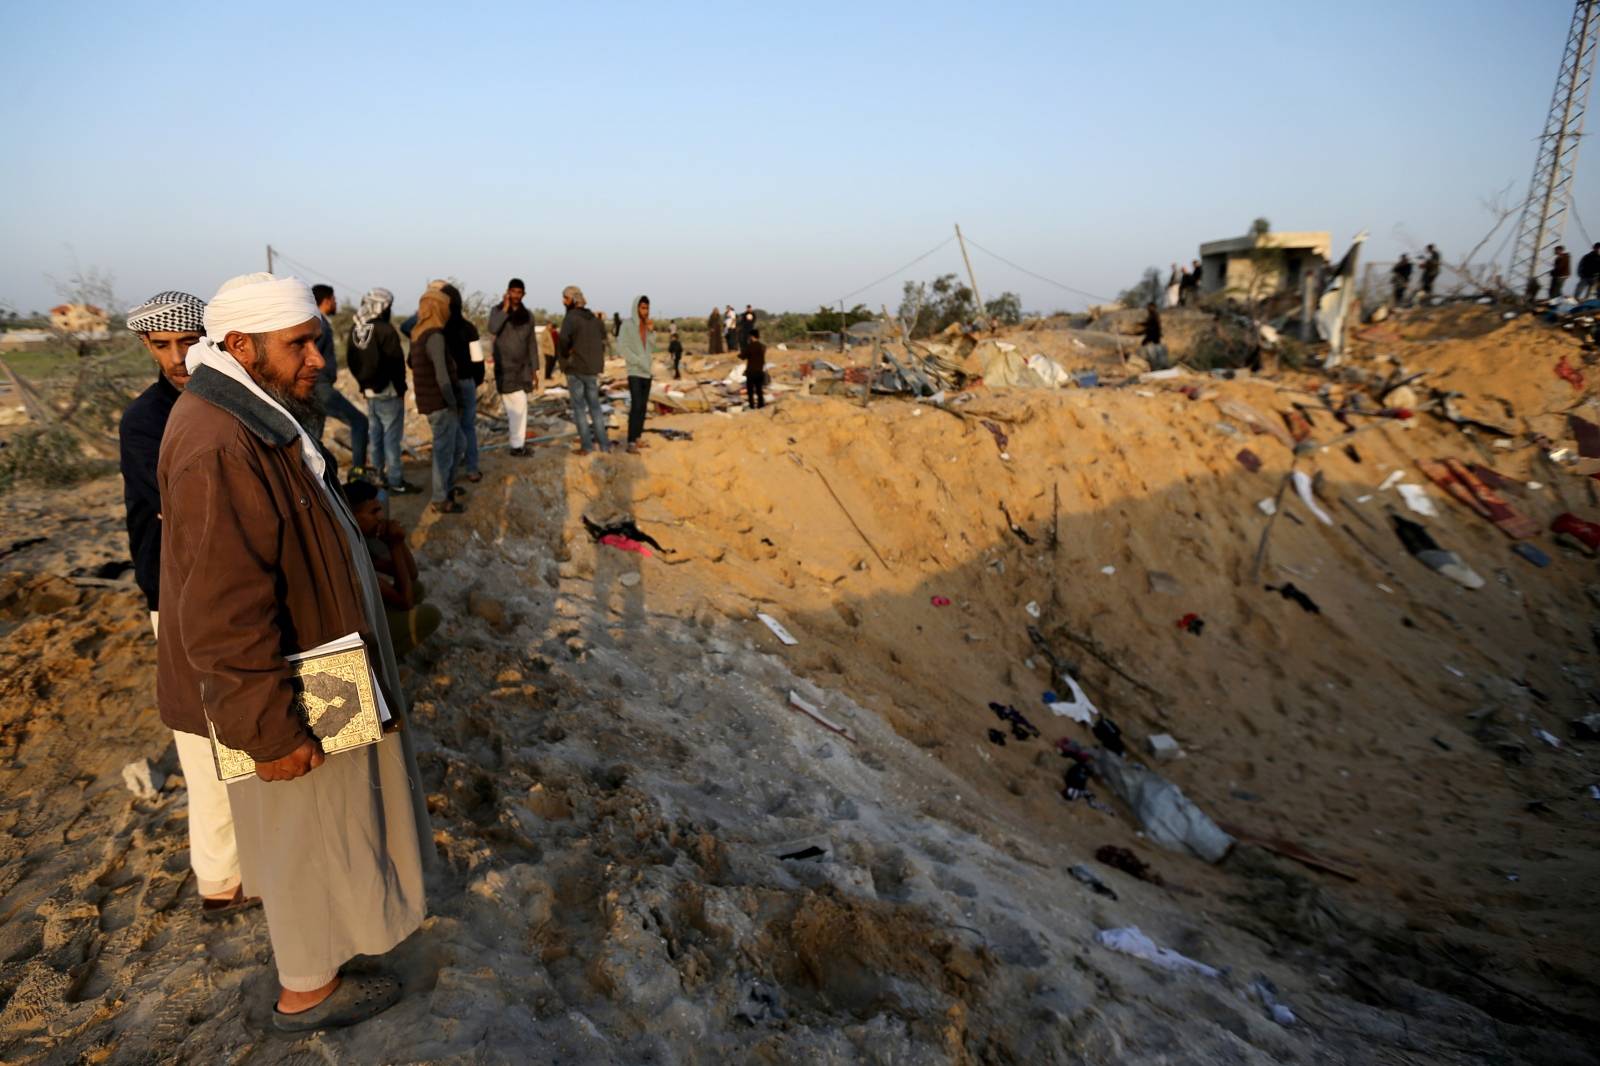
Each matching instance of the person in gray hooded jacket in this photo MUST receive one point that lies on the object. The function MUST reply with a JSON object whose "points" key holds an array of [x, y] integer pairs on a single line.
{"points": [[516, 358]]}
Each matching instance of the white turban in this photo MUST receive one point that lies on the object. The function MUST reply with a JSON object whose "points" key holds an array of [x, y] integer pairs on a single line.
{"points": [[258, 303]]}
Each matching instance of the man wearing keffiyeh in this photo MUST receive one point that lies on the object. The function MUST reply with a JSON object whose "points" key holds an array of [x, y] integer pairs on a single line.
{"points": [[169, 323], [378, 364]]}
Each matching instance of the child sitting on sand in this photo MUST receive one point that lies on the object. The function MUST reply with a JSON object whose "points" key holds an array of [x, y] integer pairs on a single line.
{"points": [[410, 620]]}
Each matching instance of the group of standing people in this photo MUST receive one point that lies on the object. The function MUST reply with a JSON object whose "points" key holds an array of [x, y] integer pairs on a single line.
{"points": [[1183, 285], [1400, 275], [1588, 285]]}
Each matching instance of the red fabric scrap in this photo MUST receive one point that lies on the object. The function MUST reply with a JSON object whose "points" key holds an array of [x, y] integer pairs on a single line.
{"points": [[625, 544], [1566, 372], [941, 601]]}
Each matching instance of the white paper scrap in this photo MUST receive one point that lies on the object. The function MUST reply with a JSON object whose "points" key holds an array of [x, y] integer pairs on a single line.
{"points": [[777, 628]]}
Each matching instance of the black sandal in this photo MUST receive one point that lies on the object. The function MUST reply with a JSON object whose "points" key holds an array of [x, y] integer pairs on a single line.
{"points": [[355, 1000], [215, 910]]}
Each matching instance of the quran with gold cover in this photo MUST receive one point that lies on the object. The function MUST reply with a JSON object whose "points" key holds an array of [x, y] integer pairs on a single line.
{"points": [[336, 697]]}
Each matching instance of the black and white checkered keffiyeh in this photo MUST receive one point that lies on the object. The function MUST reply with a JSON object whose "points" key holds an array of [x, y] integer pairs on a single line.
{"points": [[169, 312], [373, 305]]}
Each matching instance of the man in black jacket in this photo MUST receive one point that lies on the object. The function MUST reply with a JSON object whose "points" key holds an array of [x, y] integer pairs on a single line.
{"points": [[378, 363], [331, 402], [582, 353], [1588, 275], [169, 323]]}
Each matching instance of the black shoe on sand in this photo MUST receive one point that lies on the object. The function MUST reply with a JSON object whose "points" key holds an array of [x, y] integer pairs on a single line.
{"points": [[357, 998], [216, 910]]}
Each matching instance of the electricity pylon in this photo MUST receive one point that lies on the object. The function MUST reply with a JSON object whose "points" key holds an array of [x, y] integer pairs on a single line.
{"points": [[1544, 213]]}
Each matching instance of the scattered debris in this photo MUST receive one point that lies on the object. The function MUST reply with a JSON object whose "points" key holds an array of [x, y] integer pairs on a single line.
{"points": [[1167, 815], [806, 849], [142, 779], [1192, 623], [813, 712], [1076, 706], [1129, 863], [1289, 592], [1021, 728], [1088, 877], [777, 629], [1163, 747], [1130, 941], [1422, 546], [1264, 992], [624, 528]]}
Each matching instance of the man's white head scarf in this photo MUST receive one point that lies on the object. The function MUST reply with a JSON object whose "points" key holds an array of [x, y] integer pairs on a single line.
{"points": [[258, 303]]}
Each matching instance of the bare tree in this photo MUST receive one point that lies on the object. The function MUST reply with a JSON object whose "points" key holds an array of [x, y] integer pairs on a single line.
{"points": [[1487, 277]]}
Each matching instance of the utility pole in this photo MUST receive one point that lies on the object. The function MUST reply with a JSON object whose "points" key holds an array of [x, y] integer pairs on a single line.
{"points": [[965, 258], [1544, 213], [269, 259]]}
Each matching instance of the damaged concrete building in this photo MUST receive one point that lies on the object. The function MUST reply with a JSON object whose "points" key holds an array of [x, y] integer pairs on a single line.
{"points": [[1256, 267]]}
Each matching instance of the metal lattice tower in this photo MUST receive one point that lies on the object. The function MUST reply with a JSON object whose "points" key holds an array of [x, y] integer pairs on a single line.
{"points": [[1544, 214]]}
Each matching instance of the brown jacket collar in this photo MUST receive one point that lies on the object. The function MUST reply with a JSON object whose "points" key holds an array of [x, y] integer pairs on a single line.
{"points": [[219, 390]]}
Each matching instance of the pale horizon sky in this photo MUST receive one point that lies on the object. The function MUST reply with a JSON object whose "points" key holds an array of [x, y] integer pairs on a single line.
{"points": [[718, 153]]}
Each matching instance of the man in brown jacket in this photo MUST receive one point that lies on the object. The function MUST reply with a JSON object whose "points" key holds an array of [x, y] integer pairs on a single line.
{"points": [[260, 558]]}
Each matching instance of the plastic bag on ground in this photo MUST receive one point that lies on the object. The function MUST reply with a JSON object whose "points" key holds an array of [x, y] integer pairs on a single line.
{"points": [[1167, 815], [1132, 941]]}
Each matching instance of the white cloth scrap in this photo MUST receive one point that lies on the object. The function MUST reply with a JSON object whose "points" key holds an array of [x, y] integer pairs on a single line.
{"points": [[1418, 500], [1302, 486], [1131, 941]]}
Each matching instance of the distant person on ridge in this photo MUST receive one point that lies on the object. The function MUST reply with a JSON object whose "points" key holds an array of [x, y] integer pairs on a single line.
{"points": [[675, 349], [730, 329], [638, 342], [1588, 275], [1430, 270], [1400, 278], [747, 323], [582, 354], [616, 323], [330, 401], [378, 363], [169, 324], [754, 354], [1560, 271], [1150, 346], [516, 359], [714, 332]]}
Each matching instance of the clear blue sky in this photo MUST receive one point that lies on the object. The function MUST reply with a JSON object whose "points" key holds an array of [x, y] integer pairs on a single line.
{"points": [[780, 155]]}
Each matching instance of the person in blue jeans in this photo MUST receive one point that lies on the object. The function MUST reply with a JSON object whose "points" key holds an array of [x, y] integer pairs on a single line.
{"points": [[330, 400], [459, 335], [378, 363], [434, 375], [582, 353]]}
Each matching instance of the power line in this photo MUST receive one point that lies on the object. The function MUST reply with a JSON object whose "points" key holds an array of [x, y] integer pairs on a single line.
{"points": [[351, 290], [896, 272], [1040, 277]]}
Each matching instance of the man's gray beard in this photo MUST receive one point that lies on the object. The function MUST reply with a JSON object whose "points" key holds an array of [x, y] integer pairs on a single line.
{"points": [[306, 412]]}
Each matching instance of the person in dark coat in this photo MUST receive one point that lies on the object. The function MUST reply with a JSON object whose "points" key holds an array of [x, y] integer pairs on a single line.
{"points": [[169, 324], [675, 349], [1430, 270], [331, 403], [1588, 275], [459, 337], [1400, 278], [516, 359], [378, 363], [714, 332], [434, 375], [754, 354], [1560, 271], [747, 325]]}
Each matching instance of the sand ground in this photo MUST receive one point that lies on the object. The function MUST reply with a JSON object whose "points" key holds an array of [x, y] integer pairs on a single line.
{"points": [[614, 769]]}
